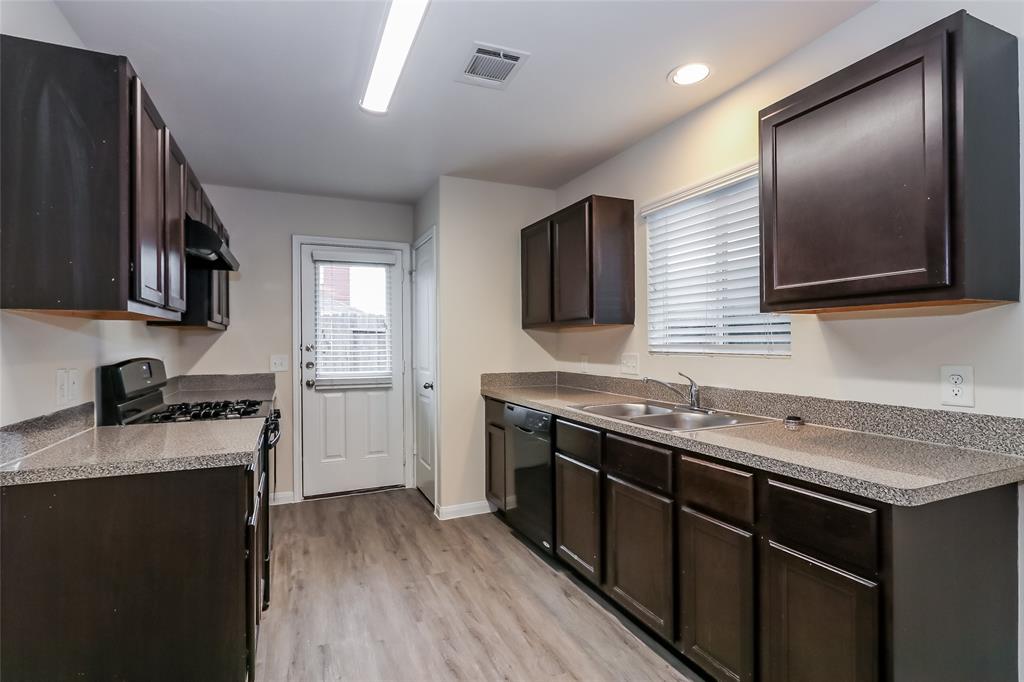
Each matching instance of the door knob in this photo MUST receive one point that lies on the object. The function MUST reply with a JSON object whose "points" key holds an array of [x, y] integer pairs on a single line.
{"points": [[310, 383], [429, 386]]}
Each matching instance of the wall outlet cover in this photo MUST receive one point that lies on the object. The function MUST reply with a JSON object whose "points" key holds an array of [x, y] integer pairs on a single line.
{"points": [[957, 385], [278, 363], [629, 363]]}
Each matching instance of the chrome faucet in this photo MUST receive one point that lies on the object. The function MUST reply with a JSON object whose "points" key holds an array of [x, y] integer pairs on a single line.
{"points": [[693, 398]]}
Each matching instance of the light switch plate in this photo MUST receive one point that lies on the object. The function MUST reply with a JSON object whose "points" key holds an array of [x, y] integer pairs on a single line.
{"points": [[278, 363], [629, 363], [74, 386], [957, 385], [62, 387]]}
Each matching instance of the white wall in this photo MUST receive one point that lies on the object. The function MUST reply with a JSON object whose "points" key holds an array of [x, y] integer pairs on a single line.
{"points": [[34, 346], [261, 226], [479, 316], [873, 357]]}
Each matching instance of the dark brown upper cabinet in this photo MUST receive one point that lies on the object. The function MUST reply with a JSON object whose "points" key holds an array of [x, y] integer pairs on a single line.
{"points": [[536, 255], [175, 185], [148, 229], [895, 182], [577, 266]]}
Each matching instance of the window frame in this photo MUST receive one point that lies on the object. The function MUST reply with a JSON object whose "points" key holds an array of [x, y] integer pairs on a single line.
{"points": [[720, 182]]}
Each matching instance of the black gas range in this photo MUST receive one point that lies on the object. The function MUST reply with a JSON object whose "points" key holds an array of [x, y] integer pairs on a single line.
{"points": [[210, 409], [131, 393]]}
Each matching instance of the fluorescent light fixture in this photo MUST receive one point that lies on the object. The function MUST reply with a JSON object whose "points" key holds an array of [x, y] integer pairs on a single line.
{"points": [[404, 17], [689, 74]]}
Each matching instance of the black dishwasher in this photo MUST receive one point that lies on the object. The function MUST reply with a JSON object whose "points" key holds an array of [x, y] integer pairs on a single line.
{"points": [[528, 475]]}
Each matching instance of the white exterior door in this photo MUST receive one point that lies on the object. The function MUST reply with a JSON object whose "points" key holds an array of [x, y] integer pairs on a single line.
{"points": [[352, 341], [424, 349]]}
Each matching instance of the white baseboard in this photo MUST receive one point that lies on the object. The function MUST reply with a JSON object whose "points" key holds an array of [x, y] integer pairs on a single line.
{"points": [[457, 511], [285, 497]]}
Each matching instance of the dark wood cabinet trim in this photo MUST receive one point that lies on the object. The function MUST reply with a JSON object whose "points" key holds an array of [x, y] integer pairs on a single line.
{"points": [[743, 578], [176, 167], [778, 649], [143, 108], [578, 516], [659, 617]]}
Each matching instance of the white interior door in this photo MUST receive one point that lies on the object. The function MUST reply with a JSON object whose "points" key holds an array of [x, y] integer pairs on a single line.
{"points": [[424, 349], [352, 341]]}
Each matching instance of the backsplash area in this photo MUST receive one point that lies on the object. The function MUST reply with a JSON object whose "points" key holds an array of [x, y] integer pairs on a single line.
{"points": [[960, 429]]}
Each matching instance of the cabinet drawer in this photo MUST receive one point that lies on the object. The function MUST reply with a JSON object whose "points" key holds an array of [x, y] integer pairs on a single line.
{"points": [[494, 412], [579, 442], [720, 490], [641, 462], [842, 532]]}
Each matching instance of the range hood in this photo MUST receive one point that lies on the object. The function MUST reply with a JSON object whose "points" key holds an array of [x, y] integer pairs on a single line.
{"points": [[207, 248]]}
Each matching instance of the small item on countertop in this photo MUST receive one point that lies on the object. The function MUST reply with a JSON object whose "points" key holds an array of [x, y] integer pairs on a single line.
{"points": [[793, 422]]}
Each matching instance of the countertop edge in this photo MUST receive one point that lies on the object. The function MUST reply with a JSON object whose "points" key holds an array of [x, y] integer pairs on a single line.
{"points": [[130, 468], [903, 497]]}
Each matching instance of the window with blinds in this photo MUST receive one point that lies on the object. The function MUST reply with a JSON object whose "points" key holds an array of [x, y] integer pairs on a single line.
{"points": [[703, 273], [352, 323]]}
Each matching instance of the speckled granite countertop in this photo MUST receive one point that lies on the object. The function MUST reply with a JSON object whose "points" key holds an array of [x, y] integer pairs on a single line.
{"points": [[65, 446], [893, 470], [138, 449]]}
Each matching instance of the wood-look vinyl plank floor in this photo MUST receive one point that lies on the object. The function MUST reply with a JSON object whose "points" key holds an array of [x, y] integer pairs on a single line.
{"points": [[374, 587]]}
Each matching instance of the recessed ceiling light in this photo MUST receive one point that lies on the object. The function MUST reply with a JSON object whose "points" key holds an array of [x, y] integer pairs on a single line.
{"points": [[404, 17], [688, 74]]}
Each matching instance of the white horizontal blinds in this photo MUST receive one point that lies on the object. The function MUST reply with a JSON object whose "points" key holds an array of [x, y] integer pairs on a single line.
{"points": [[352, 323], [703, 275]]}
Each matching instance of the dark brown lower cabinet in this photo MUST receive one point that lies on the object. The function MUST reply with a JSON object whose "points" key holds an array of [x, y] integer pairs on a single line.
{"points": [[125, 577], [578, 515], [716, 599], [495, 465], [819, 622], [639, 571]]}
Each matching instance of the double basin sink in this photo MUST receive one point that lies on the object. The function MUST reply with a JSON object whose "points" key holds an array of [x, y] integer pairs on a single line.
{"points": [[670, 417]]}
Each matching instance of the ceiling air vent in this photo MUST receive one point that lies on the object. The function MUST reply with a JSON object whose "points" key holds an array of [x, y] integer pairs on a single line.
{"points": [[492, 66]]}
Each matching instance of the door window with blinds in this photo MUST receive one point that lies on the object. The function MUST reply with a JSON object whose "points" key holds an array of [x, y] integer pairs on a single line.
{"points": [[352, 322], [703, 273]]}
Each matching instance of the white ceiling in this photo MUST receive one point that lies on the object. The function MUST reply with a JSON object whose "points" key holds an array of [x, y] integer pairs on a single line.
{"points": [[265, 94]]}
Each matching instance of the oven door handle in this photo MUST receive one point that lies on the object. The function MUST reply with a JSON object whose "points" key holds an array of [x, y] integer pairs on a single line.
{"points": [[274, 431]]}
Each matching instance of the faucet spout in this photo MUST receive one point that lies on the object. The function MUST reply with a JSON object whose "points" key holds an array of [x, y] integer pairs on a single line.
{"points": [[694, 391], [693, 399]]}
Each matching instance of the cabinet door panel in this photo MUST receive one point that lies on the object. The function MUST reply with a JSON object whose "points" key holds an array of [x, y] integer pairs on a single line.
{"points": [[638, 541], [223, 285], [536, 274], [495, 465], [175, 184], [578, 515], [148, 198], [855, 180], [820, 623], [194, 197], [572, 259], [716, 601]]}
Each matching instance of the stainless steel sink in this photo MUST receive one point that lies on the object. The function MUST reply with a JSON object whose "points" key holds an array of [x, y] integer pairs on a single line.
{"points": [[670, 417], [628, 410], [694, 420]]}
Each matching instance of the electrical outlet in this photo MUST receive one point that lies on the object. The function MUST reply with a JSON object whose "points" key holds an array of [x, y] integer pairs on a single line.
{"points": [[585, 364], [629, 363], [74, 386], [62, 387], [278, 363], [957, 383]]}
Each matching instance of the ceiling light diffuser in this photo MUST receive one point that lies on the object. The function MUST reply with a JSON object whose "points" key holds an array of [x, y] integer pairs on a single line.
{"points": [[689, 74], [404, 17]]}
